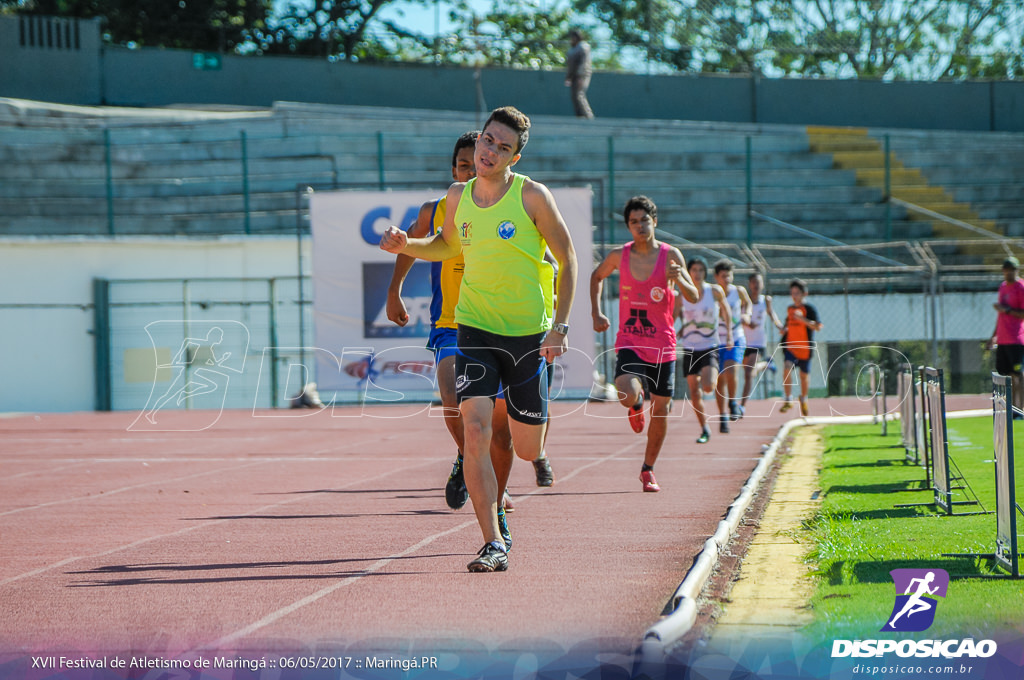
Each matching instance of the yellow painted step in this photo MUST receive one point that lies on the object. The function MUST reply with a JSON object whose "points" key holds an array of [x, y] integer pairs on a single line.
{"points": [[824, 130], [923, 195], [834, 144], [854, 149], [997, 259], [865, 159], [982, 250], [957, 211], [902, 177]]}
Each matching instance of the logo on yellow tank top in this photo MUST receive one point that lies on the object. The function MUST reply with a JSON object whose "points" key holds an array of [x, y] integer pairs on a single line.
{"points": [[506, 230], [467, 232]]}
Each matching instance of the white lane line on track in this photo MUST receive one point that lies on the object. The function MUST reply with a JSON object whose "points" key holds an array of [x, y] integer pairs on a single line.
{"points": [[47, 471], [254, 458], [123, 489], [240, 459], [211, 523], [383, 562]]}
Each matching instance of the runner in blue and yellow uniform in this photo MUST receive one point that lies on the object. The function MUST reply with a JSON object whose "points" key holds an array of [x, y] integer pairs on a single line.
{"points": [[445, 279], [508, 329]]}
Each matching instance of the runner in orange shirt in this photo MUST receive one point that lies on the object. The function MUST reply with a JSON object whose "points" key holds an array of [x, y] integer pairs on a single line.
{"points": [[798, 343]]}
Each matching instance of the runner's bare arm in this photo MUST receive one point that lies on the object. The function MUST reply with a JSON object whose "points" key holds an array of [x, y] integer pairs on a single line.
{"points": [[723, 312], [746, 306], [677, 313], [679, 274], [439, 247], [601, 272], [540, 206], [771, 313], [396, 311], [550, 259]]}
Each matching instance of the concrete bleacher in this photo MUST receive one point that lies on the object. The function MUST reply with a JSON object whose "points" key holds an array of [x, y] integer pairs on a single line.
{"points": [[182, 171], [986, 172]]}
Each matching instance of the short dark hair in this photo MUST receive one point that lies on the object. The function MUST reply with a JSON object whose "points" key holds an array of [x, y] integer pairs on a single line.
{"points": [[639, 203], [754, 275], [724, 265], [515, 119], [799, 283], [467, 139], [694, 261]]}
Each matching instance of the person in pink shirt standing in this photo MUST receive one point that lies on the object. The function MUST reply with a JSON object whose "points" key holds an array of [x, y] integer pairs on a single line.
{"points": [[1008, 336], [649, 272]]}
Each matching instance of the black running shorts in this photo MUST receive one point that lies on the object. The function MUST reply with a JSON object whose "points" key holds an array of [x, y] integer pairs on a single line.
{"points": [[660, 379], [1009, 359], [694, 360], [488, 362]]}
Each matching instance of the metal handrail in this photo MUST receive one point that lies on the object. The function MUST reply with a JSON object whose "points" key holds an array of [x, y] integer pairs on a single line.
{"points": [[947, 219], [824, 239]]}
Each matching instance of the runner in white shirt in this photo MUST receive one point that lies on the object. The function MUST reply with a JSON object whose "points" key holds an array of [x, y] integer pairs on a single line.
{"points": [[730, 359], [757, 338], [699, 339]]}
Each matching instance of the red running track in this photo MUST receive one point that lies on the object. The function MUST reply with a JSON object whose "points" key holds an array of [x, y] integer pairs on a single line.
{"points": [[290, 531]]}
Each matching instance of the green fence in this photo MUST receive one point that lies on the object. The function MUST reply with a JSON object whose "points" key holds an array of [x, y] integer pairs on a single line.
{"points": [[151, 333], [711, 183]]}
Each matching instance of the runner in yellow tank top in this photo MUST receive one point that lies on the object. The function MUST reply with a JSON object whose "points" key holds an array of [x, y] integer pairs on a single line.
{"points": [[445, 282], [487, 357], [502, 238]]}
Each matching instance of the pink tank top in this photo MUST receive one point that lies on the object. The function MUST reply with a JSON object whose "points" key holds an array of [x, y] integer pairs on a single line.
{"points": [[646, 311]]}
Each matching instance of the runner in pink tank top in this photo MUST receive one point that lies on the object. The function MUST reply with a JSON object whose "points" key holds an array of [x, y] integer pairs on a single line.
{"points": [[646, 310], [645, 344]]}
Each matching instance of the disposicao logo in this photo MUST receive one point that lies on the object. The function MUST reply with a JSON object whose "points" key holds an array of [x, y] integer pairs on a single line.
{"points": [[917, 591]]}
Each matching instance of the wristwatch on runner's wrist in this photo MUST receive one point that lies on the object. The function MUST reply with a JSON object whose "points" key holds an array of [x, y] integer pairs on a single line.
{"points": [[561, 328]]}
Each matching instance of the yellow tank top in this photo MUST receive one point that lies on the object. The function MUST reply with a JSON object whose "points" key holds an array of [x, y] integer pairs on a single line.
{"points": [[449, 275], [507, 288]]}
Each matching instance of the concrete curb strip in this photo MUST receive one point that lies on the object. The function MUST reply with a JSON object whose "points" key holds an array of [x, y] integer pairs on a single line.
{"points": [[662, 635]]}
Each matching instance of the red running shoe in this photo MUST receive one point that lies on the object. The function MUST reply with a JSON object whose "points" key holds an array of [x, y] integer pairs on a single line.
{"points": [[650, 484], [636, 417]]}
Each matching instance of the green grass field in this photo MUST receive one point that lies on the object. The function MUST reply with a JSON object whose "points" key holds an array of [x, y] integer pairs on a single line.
{"points": [[859, 535]]}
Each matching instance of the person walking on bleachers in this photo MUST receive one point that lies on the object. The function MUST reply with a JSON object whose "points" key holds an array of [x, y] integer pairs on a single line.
{"points": [[578, 69]]}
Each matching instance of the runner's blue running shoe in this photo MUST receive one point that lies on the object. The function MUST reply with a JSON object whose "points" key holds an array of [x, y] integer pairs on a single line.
{"points": [[506, 535]]}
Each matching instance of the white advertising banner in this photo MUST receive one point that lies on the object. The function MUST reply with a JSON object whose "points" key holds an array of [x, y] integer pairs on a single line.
{"points": [[361, 355]]}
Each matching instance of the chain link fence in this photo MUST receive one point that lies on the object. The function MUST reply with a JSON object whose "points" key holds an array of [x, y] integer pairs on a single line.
{"points": [[881, 304]]}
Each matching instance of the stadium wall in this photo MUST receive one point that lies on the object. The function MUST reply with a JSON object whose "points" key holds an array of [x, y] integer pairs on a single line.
{"points": [[46, 302], [51, 59], [47, 314], [93, 74]]}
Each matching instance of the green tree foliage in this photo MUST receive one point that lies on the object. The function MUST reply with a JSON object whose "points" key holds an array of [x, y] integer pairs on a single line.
{"points": [[893, 39], [339, 29], [513, 33], [191, 24]]}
